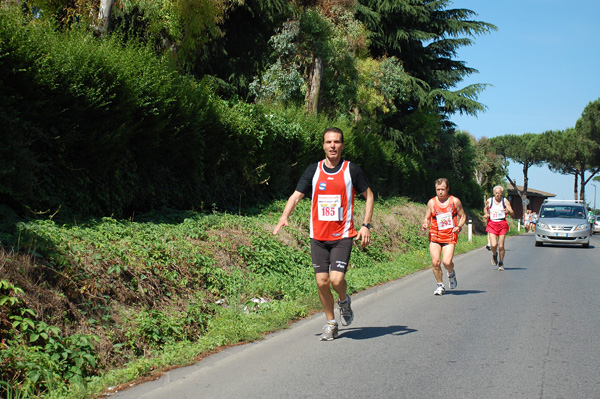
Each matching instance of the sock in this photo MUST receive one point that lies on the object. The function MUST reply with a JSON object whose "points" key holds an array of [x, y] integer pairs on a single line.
{"points": [[331, 321]]}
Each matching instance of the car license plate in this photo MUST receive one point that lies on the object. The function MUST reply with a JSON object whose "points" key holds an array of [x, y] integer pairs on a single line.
{"points": [[562, 234]]}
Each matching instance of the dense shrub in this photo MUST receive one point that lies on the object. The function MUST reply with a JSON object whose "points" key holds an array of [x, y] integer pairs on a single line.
{"points": [[92, 128]]}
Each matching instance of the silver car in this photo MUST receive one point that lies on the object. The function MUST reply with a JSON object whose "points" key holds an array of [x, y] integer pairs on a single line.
{"points": [[596, 225], [562, 222]]}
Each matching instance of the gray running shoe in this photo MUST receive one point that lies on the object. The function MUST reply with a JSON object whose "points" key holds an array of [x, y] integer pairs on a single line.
{"points": [[440, 290], [501, 266], [494, 259], [346, 313], [452, 278], [330, 332]]}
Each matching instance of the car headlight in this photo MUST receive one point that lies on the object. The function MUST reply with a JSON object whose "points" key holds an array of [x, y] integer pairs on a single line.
{"points": [[543, 225], [582, 227]]}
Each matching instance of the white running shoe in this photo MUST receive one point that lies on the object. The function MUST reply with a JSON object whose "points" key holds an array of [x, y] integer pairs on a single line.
{"points": [[346, 313], [440, 290], [330, 332], [452, 278]]}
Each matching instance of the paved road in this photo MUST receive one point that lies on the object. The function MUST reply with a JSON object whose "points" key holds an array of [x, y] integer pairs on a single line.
{"points": [[528, 332]]}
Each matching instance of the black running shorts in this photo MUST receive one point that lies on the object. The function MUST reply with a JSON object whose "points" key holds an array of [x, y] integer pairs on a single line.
{"points": [[331, 255]]}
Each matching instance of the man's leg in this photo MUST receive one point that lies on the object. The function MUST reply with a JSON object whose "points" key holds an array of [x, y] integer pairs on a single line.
{"points": [[494, 245], [340, 260], [448, 261], [339, 283], [323, 284], [501, 247], [435, 250], [448, 257]]}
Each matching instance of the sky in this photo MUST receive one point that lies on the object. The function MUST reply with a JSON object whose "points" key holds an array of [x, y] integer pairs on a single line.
{"points": [[543, 68]]}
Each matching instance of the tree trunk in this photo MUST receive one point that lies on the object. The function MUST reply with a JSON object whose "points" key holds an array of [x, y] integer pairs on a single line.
{"points": [[314, 86], [104, 16], [525, 184], [584, 182], [575, 186]]}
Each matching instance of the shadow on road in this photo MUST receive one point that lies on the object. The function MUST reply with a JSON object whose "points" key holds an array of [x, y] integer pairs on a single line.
{"points": [[373, 332], [463, 292]]}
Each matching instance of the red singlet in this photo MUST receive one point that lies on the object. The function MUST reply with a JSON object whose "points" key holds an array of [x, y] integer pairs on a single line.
{"points": [[332, 204], [443, 220]]}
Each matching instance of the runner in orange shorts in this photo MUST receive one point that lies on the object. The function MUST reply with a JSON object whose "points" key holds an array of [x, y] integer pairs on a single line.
{"points": [[447, 218]]}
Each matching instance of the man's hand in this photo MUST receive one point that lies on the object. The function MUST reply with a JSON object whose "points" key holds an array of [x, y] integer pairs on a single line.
{"points": [[282, 223], [364, 235]]}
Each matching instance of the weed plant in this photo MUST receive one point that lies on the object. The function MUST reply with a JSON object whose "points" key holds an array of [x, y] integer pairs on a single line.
{"points": [[91, 305]]}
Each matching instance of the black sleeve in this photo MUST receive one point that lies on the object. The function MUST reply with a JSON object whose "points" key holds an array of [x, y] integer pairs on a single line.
{"points": [[305, 183], [359, 179]]}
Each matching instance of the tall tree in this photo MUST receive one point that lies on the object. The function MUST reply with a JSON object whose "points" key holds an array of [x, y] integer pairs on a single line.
{"points": [[576, 151], [425, 36], [588, 129], [523, 149], [243, 51], [560, 153], [488, 166]]}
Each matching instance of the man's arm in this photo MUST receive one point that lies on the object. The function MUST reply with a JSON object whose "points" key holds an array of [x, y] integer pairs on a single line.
{"points": [[364, 234], [485, 208], [428, 213], [509, 209], [287, 211], [461, 215]]}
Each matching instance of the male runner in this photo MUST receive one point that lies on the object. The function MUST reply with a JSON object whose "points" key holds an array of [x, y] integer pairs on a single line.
{"points": [[442, 213], [331, 185]]}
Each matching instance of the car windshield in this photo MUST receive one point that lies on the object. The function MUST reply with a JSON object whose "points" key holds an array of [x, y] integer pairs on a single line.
{"points": [[563, 211]]}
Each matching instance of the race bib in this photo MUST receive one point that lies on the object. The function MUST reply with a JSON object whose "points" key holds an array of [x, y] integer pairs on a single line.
{"points": [[330, 209], [444, 221], [498, 215]]}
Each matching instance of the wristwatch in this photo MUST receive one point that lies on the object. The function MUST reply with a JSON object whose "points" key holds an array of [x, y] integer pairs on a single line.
{"points": [[367, 225]]}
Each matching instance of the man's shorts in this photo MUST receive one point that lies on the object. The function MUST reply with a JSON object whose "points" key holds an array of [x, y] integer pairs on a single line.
{"points": [[499, 228], [331, 255], [444, 237]]}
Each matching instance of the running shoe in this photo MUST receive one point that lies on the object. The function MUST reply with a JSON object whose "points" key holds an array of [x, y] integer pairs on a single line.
{"points": [[494, 259], [452, 278], [488, 247], [330, 332], [440, 290], [501, 266], [346, 313]]}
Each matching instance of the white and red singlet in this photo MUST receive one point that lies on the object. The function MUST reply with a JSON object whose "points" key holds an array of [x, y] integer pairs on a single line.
{"points": [[332, 204]]}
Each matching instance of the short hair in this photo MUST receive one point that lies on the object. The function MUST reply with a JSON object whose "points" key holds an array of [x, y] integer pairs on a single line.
{"points": [[500, 187], [442, 180], [334, 130]]}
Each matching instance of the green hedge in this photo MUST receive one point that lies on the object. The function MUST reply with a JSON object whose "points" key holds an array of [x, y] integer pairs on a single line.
{"points": [[94, 128]]}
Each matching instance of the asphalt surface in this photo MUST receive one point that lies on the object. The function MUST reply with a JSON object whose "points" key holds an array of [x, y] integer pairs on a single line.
{"points": [[530, 331]]}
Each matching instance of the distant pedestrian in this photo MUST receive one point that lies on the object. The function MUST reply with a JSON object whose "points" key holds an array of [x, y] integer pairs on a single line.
{"points": [[527, 221], [331, 184], [446, 216], [495, 211]]}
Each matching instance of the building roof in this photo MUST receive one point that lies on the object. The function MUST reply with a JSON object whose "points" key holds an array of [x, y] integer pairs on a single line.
{"points": [[531, 192]]}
